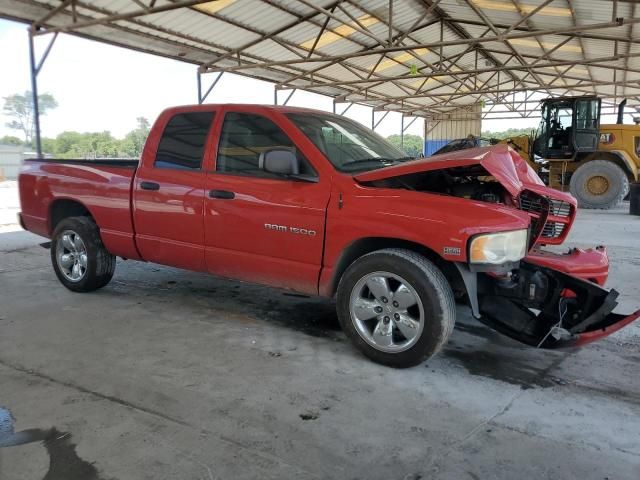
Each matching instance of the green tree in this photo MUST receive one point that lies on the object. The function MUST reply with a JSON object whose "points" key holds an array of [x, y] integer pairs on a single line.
{"points": [[511, 132], [65, 142], [10, 140], [48, 145], [413, 144], [20, 108], [72, 145], [84, 145], [134, 141]]}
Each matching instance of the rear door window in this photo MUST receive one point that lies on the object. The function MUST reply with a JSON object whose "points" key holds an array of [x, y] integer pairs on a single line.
{"points": [[183, 141]]}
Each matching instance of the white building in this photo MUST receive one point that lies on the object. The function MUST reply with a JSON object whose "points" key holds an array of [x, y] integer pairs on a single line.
{"points": [[11, 157]]}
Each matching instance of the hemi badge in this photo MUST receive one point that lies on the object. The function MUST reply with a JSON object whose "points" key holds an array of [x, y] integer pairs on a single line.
{"points": [[452, 251]]}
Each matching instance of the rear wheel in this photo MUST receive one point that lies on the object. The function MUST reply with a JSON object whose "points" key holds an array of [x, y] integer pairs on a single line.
{"points": [[396, 307], [79, 258], [599, 184]]}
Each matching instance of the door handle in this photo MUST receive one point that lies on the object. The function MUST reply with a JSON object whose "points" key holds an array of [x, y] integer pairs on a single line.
{"points": [[222, 194], [149, 186]]}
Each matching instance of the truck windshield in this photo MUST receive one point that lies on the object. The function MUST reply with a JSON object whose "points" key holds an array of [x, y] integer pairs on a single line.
{"points": [[349, 146]]}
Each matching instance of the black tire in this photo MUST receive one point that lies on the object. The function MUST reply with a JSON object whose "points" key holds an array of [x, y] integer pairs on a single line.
{"points": [[612, 176], [432, 289], [100, 264]]}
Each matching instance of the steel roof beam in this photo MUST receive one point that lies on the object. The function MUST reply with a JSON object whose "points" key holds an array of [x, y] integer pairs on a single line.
{"points": [[463, 33], [473, 72], [495, 31], [269, 36], [339, 60], [434, 45], [494, 90], [140, 22], [562, 33], [122, 16], [373, 70]]}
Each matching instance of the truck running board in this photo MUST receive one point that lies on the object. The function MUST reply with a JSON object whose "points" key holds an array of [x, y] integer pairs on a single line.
{"points": [[545, 308]]}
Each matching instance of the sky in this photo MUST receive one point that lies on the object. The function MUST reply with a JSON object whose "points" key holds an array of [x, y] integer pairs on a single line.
{"points": [[101, 87]]}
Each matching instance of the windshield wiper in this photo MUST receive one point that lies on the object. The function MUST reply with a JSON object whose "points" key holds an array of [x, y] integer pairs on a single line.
{"points": [[387, 161]]}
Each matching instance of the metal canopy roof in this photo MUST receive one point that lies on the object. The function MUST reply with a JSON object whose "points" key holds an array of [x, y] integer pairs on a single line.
{"points": [[421, 57]]}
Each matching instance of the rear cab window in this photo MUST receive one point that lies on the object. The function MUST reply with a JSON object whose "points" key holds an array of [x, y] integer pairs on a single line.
{"points": [[183, 141]]}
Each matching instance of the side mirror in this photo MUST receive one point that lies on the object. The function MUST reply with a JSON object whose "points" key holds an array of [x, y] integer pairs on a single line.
{"points": [[280, 161]]}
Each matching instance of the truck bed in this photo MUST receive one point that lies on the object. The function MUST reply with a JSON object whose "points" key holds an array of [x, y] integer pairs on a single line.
{"points": [[102, 186]]}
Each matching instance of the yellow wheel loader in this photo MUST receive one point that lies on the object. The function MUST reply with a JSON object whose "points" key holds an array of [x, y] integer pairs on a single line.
{"points": [[572, 151]]}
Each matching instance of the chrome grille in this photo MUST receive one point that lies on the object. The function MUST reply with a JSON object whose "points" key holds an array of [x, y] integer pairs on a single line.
{"points": [[530, 204], [539, 206], [553, 229], [560, 208]]}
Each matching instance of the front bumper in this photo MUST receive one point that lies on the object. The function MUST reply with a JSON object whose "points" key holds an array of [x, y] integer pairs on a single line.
{"points": [[591, 264], [551, 300]]}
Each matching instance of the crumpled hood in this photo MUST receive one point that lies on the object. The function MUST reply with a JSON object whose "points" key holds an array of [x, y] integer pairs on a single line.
{"points": [[501, 161]]}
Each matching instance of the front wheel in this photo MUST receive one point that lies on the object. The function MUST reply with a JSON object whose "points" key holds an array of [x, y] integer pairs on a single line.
{"points": [[79, 258], [396, 307]]}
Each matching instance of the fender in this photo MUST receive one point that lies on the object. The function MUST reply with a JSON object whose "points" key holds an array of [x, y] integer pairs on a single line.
{"points": [[622, 157], [79, 209]]}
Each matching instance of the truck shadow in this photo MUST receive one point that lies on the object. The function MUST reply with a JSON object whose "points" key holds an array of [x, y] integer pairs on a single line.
{"points": [[473, 346]]}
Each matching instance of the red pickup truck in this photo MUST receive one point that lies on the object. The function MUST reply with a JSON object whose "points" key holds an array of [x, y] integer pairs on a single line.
{"points": [[314, 202]]}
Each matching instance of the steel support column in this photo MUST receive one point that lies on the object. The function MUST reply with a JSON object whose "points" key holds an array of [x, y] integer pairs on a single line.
{"points": [[35, 70], [199, 80], [375, 124], [289, 97], [275, 96], [346, 109], [201, 97], [404, 128], [34, 94]]}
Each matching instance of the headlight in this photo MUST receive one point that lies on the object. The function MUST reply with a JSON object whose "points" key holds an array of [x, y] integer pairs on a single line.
{"points": [[496, 248]]}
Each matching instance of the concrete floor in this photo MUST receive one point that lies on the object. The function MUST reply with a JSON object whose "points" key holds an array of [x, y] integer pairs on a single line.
{"points": [[168, 374]]}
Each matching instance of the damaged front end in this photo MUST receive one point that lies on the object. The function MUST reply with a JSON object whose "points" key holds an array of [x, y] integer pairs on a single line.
{"points": [[544, 307], [546, 300]]}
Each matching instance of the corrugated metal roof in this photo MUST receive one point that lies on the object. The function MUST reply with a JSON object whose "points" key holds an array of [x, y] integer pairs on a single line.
{"points": [[423, 58]]}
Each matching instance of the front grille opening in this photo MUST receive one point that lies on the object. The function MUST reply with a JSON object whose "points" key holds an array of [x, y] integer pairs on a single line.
{"points": [[553, 230], [531, 204], [540, 209], [559, 208]]}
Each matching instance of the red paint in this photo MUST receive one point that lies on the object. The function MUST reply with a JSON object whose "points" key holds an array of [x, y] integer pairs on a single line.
{"points": [[500, 161], [588, 337], [591, 264], [180, 225], [104, 191]]}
